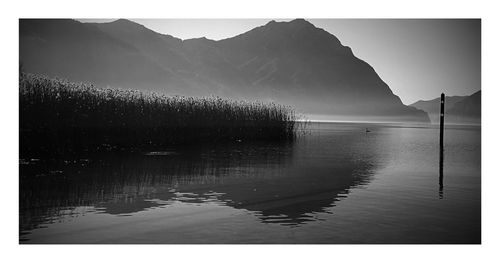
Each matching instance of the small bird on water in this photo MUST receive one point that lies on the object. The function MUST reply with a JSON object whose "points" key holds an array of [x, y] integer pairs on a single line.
{"points": [[366, 130]]}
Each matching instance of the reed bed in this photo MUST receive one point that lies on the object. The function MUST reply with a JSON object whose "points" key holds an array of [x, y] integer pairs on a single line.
{"points": [[58, 116]]}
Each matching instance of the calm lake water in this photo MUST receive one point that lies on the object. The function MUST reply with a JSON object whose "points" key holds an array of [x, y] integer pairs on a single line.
{"points": [[335, 184]]}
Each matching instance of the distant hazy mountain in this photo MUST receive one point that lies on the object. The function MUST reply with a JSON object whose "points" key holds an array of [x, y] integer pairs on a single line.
{"points": [[467, 110], [458, 109], [291, 63], [432, 107]]}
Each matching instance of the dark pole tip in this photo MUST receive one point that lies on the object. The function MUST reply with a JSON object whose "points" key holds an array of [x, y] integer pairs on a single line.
{"points": [[441, 122]]}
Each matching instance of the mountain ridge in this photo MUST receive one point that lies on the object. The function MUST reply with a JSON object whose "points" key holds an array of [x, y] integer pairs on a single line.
{"points": [[293, 63], [458, 109]]}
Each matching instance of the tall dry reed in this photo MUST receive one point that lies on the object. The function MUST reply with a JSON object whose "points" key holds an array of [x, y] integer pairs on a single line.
{"points": [[60, 116]]}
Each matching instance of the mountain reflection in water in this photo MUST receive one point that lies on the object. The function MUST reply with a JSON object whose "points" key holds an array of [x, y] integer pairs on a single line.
{"points": [[283, 183]]}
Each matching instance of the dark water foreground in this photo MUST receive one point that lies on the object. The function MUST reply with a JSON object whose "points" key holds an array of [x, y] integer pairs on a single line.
{"points": [[336, 184]]}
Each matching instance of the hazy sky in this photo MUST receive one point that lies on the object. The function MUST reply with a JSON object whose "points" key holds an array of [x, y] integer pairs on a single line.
{"points": [[418, 59]]}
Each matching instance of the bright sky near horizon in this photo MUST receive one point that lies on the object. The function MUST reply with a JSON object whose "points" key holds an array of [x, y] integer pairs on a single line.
{"points": [[417, 58]]}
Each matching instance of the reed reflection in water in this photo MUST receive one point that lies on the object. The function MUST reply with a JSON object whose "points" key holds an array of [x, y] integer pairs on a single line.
{"points": [[282, 183]]}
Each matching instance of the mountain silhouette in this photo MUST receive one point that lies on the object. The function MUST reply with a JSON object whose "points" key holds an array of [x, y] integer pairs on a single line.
{"points": [[467, 110], [458, 109], [292, 63], [433, 107]]}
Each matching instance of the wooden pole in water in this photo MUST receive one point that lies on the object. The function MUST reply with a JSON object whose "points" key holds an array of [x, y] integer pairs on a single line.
{"points": [[441, 146], [441, 123]]}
